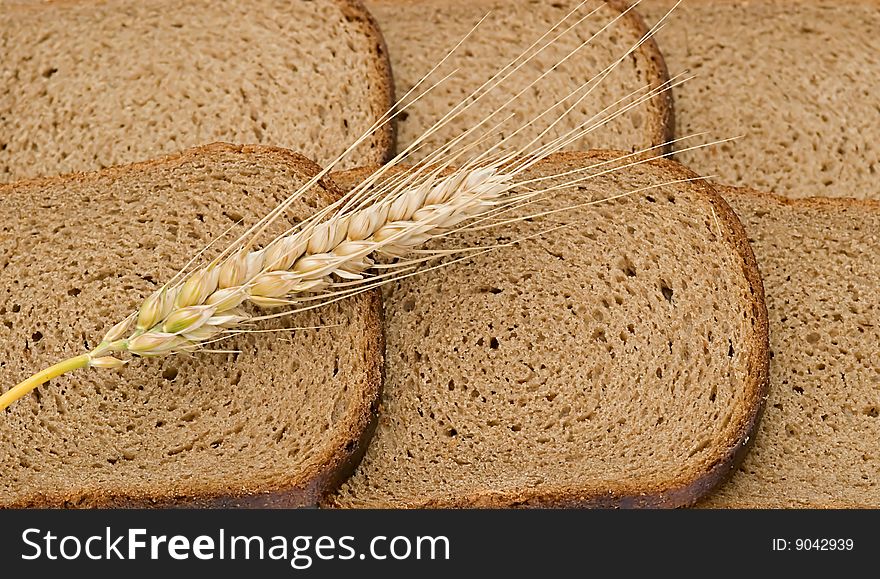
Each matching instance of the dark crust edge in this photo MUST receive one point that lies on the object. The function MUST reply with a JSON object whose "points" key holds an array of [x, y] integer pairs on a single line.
{"points": [[321, 478], [664, 129], [815, 202], [678, 493], [385, 138]]}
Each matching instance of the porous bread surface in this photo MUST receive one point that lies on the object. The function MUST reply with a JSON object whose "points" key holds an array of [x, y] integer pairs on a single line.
{"points": [[794, 80], [274, 424], [86, 85], [420, 33], [619, 361], [817, 445]]}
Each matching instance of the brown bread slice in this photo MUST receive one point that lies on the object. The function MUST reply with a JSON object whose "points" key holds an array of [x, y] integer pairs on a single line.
{"points": [[420, 33], [796, 80], [619, 362], [87, 85], [817, 446], [278, 424]]}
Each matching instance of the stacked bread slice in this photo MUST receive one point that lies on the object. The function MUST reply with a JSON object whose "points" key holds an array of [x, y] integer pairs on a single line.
{"points": [[87, 85], [817, 443], [794, 81], [276, 421], [618, 362], [423, 33]]}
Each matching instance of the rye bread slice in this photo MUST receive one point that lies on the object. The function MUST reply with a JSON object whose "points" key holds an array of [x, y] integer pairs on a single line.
{"points": [[619, 362], [278, 424], [795, 80], [87, 85], [817, 445], [419, 34]]}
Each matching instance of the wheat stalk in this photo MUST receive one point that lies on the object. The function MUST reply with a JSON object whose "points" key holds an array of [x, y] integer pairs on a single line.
{"points": [[328, 256]]}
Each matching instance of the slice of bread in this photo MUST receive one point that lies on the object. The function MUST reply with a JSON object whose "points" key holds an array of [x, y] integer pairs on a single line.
{"points": [[87, 85], [277, 424], [797, 81], [618, 362], [421, 32], [817, 445]]}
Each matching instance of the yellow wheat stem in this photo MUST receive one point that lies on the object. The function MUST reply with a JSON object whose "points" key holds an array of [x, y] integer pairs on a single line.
{"points": [[23, 388]]}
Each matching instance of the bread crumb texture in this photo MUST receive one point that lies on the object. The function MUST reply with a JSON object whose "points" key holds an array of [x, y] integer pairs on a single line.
{"points": [[87, 85], [78, 254], [611, 358], [796, 82], [817, 443], [421, 33]]}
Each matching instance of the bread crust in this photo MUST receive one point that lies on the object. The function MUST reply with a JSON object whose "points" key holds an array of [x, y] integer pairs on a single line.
{"points": [[676, 493], [385, 138], [664, 126], [817, 202], [303, 489]]}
